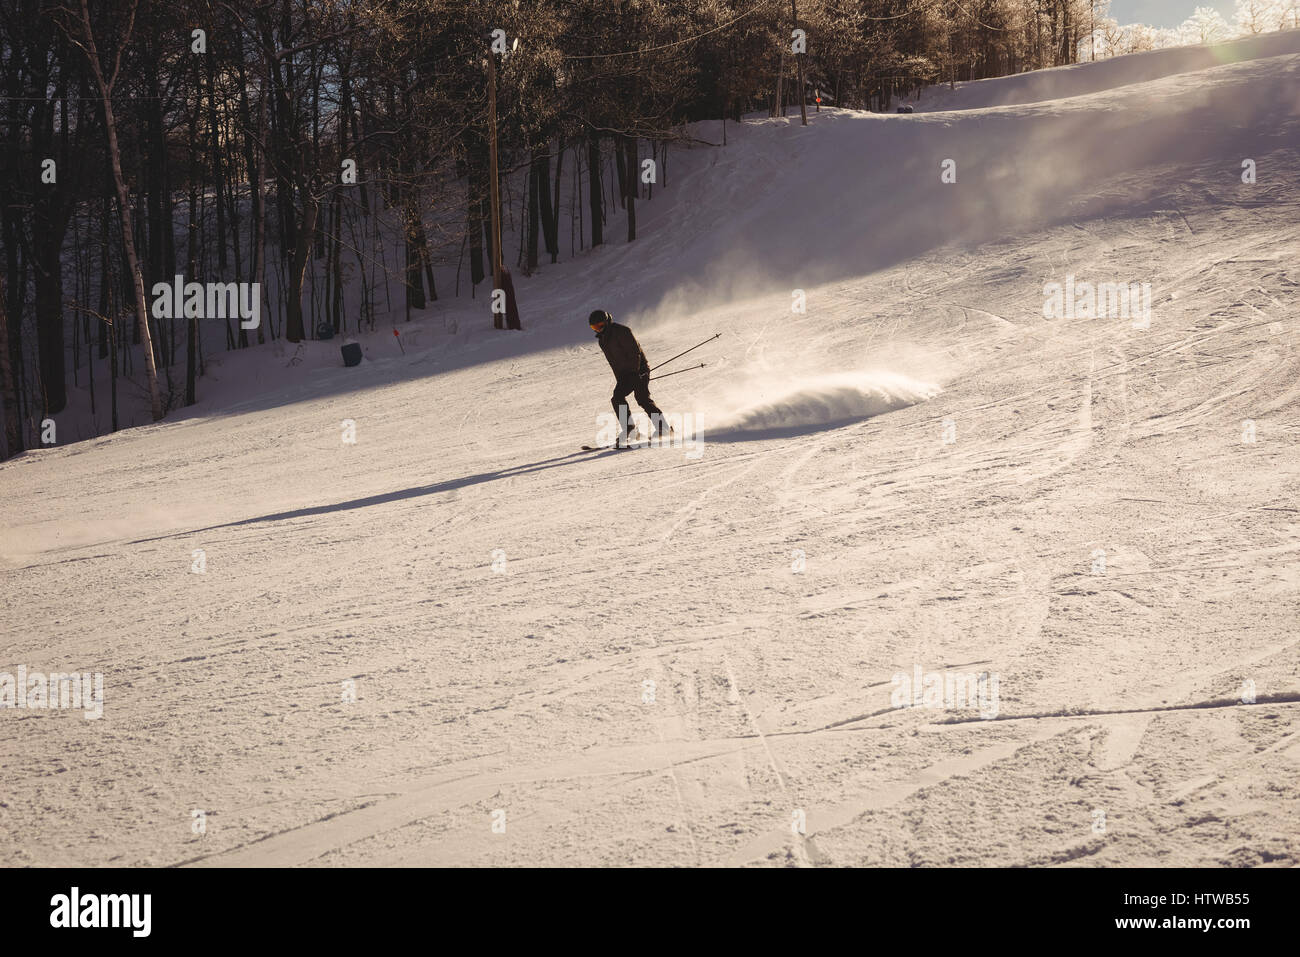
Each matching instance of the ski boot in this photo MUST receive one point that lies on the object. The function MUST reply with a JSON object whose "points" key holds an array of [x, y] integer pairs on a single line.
{"points": [[625, 439], [663, 433]]}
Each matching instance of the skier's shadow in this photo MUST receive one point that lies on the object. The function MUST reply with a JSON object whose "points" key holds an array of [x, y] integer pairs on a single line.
{"points": [[386, 497]]}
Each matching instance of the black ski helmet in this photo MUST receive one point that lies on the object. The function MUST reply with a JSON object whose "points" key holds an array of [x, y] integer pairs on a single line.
{"points": [[599, 315]]}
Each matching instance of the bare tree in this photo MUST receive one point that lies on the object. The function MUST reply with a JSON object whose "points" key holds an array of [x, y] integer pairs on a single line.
{"points": [[87, 44]]}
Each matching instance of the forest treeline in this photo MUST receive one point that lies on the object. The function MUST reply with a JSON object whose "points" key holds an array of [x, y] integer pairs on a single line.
{"points": [[253, 140]]}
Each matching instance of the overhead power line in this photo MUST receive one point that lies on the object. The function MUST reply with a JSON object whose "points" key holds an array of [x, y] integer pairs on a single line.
{"points": [[676, 43]]}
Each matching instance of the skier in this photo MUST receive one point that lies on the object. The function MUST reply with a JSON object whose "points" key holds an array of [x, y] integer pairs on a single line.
{"points": [[632, 373]]}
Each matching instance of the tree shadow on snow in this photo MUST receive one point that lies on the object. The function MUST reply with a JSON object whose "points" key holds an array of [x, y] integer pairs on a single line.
{"points": [[384, 498]]}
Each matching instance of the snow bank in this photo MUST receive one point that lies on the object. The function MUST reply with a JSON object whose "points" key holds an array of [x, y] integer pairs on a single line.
{"points": [[822, 401]]}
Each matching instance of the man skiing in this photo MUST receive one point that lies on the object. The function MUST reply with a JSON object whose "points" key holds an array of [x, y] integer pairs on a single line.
{"points": [[632, 373]]}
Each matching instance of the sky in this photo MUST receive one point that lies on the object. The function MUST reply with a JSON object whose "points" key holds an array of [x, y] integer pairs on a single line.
{"points": [[1165, 13]]}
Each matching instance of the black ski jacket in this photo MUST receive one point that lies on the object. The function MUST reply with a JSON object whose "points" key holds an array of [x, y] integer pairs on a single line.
{"points": [[623, 352]]}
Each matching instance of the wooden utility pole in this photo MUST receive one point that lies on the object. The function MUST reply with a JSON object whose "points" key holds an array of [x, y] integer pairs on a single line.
{"points": [[500, 275], [803, 108], [498, 320]]}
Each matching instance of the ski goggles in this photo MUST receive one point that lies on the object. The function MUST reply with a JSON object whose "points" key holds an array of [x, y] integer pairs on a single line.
{"points": [[598, 325]]}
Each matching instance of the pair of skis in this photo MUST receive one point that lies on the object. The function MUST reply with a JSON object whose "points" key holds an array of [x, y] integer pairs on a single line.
{"points": [[649, 443]]}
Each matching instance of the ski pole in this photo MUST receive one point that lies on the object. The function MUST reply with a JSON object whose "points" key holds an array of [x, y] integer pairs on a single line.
{"points": [[691, 349], [678, 372]]}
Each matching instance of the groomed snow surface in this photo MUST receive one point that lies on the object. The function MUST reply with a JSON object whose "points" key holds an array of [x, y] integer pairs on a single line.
{"points": [[687, 656]]}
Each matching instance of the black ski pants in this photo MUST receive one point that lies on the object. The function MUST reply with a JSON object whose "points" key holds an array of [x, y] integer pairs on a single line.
{"points": [[640, 389]]}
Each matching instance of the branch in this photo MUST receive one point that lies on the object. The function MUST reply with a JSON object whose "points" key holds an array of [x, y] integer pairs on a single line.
{"points": [[126, 38]]}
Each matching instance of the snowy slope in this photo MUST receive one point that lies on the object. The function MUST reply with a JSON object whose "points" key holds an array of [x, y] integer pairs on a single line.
{"points": [[655, 657], [1079, 79]]}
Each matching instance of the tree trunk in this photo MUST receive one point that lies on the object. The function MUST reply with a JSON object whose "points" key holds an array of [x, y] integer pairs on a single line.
{"points": [[192, 322], [422, 250], [105, 265], [112, 365], [8, 387], [536, 185], [124, 200], [512, 306], [218, 166], [550, 229], [620, 169], [294, 327], [259, 214], [49, 327], [629, 163], [780, 86], [803, 94], [594, 191], [494, 190], [414, 282], [474, 220]]}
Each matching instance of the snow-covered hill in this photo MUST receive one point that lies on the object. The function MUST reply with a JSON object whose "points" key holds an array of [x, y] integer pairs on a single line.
{"points": [[694, 655], [1079, 79]]}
